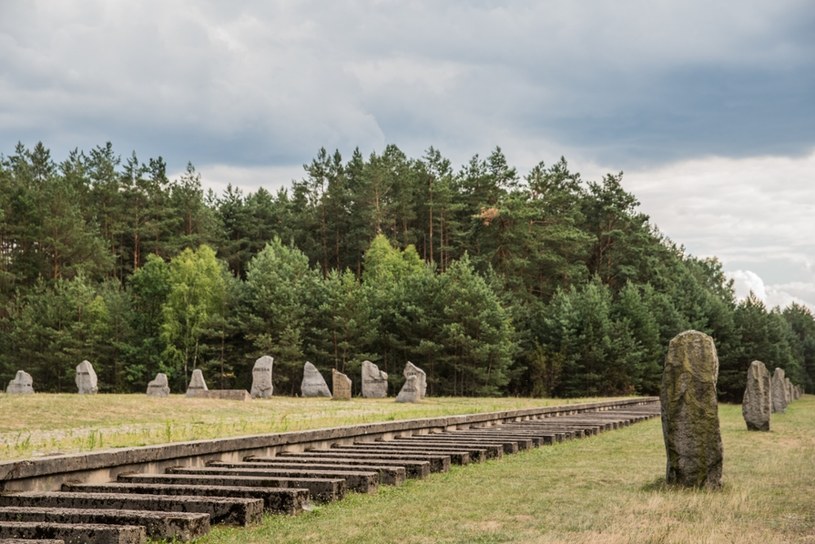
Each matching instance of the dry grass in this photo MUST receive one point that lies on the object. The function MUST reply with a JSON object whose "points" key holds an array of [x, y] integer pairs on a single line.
{"points": [[606, 489], [45, 424]]}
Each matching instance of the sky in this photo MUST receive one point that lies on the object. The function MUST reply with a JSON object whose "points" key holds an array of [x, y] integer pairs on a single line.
{"points": [[708, 107]]}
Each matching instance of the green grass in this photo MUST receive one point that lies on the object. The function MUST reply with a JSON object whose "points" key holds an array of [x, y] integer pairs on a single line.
{"points": [[604, 489], [45, 424]]}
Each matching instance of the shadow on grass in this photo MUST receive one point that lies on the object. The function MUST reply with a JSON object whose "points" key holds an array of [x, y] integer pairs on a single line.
{"points": [[659, 485]]}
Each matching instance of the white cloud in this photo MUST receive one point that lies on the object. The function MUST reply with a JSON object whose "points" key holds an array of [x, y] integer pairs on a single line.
{"points": [[781, 296]]}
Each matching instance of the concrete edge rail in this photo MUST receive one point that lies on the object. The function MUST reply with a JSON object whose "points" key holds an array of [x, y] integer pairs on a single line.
{"points": [[48, 473]]}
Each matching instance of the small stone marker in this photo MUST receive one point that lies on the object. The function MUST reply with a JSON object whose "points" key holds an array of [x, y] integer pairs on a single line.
{"points": [[779, 393], [410, 391], [262, 378], [421, 378], [313, 384], [197, 384], [756, 405], [86, 381], [374, 381], [22, 384], [690, 415], [342, 385], [159, 387]]}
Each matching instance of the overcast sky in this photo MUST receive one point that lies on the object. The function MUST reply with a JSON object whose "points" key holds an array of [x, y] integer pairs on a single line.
{"points": [[708, 107]]}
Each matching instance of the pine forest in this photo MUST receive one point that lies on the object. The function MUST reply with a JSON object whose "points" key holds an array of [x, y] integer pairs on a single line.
{"points": [[494, 281]]}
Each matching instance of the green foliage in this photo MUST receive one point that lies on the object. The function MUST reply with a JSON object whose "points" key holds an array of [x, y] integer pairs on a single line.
{"points": [[492, 281]]}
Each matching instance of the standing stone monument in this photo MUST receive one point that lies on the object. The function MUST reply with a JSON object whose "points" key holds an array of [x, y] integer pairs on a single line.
{"points": [[342, 385], [86, 381], [790, 394], [159, 387], [197, 384], [779, 393], [757, 405], [262, 378], [421, 378], [313, 384], [22, 384], [690, 415], [374, 381], [410, 391]]}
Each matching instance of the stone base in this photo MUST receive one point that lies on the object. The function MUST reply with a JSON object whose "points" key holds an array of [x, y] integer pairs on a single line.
{"points": [[223, 394]]}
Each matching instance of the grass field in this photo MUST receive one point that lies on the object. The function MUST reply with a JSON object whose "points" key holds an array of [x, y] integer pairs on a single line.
{"points": [[604, 489], [43, 424]]}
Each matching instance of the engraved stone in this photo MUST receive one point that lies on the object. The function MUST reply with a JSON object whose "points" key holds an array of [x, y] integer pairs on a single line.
{"points": [[690, 415], [341, 385], [421, 378], [756, 405], [159, 387], [313, 384], [374, 381], [197, 384], [410, 390], [22, 384], [262, 378], [86, 381], [779, 393]]}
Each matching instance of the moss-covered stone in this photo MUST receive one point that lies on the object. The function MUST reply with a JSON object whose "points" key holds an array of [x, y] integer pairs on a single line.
{"points": [[690, 416]]}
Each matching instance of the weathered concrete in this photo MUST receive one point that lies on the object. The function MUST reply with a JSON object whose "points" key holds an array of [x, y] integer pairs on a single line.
{"points": [[413, 469], [439, 462], [485, 449], [341, 385], [320, 489], [88, 533], [458, 457], [756, 405], [50, 472], [22, 384], [361, 482], [388, 475], [275, 499], [197, 383], [159, 386], [374, 381], [313, 384], [220, 509], [779, 392], [690, 416], [86, 380], [181, 526], [262, 387], [355, 480]]}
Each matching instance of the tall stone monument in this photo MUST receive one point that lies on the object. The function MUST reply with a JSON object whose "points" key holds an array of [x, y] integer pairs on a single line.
{"points": [[421, 378], [22, 384], [159, 386], [410, 391], [779, 393], [374, 381], [262, 378], [197, 386], [313, 384], [341, 385], [757, 405], [690, 416], [86, 381]]}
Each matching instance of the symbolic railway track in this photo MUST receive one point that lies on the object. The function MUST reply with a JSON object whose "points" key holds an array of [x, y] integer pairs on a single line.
{"points": [[178, 491]]}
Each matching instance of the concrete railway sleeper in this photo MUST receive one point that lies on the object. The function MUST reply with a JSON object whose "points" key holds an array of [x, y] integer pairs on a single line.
{"points": [[177, 491]]}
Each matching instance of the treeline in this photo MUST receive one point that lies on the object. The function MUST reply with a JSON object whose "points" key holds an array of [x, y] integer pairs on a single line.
{"points": [[493, 282]]}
